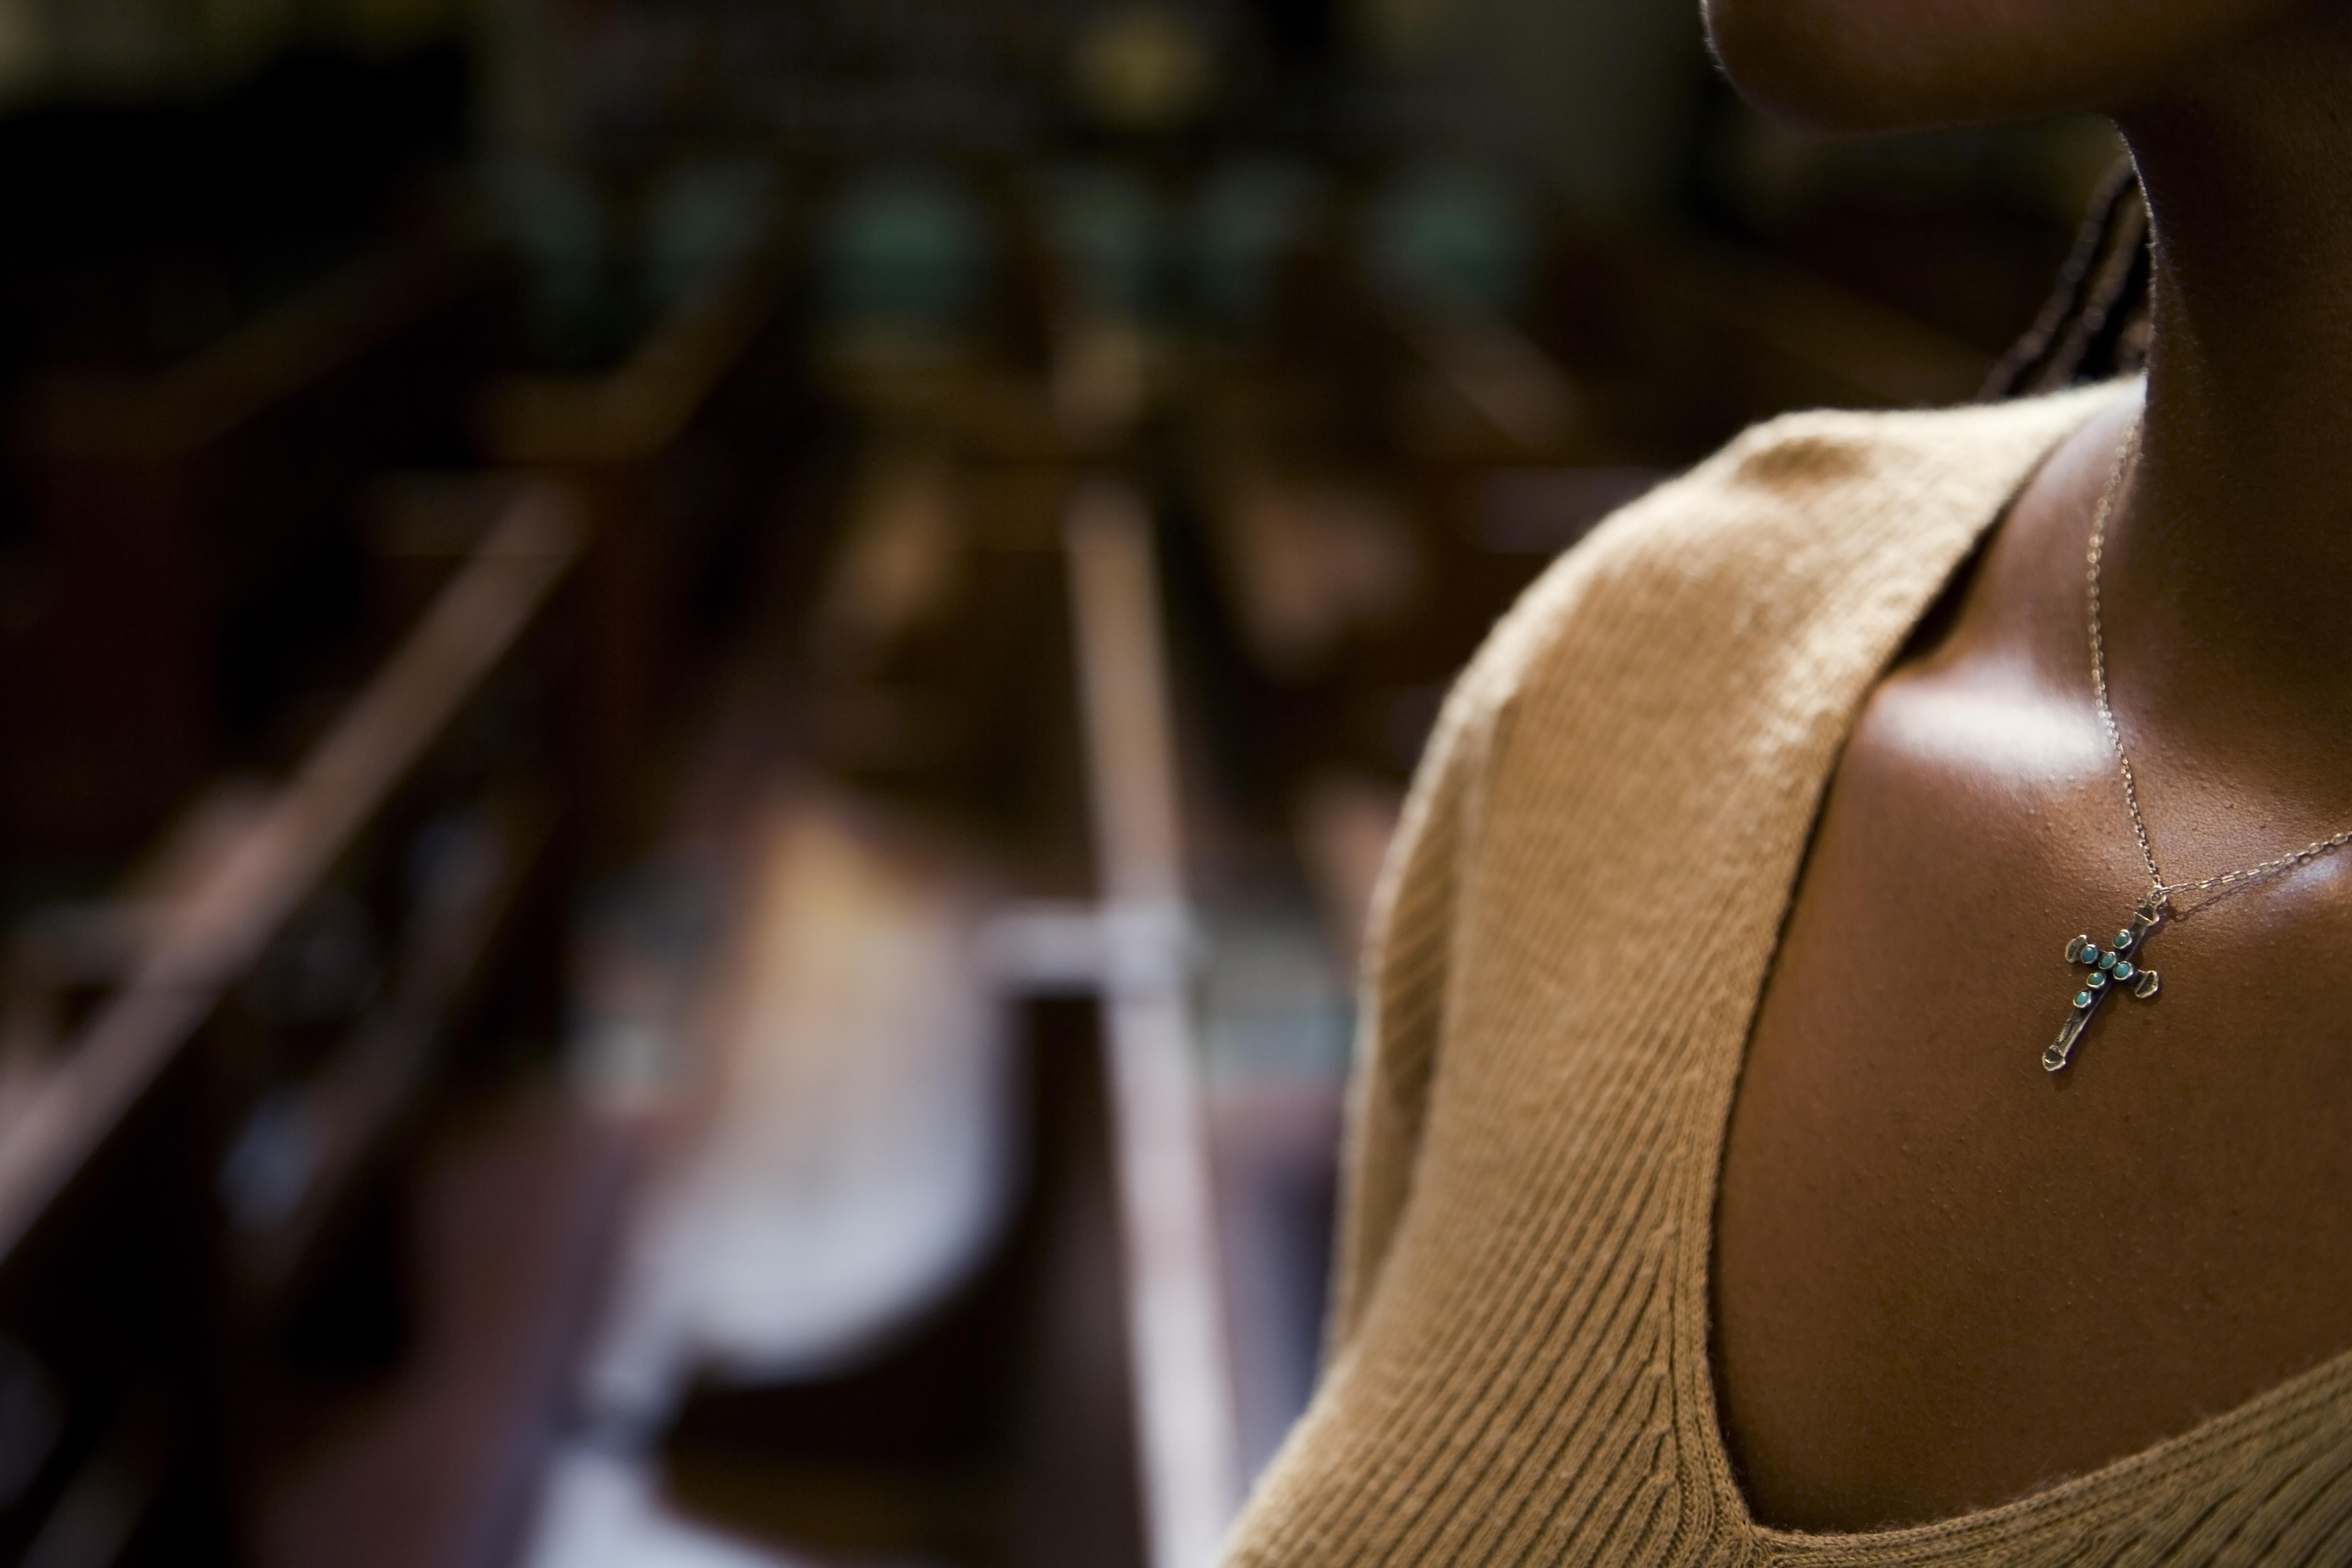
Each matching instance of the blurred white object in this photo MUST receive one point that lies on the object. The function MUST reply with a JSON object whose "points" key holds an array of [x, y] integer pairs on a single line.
{"points": [[854, 1162]]}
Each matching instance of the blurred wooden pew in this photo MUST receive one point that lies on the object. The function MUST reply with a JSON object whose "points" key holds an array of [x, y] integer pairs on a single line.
{"points": [[195, 1170], [189, 543], [672, 456], [1385, 471]]}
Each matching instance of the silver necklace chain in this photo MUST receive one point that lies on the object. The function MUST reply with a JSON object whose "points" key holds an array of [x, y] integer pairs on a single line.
{"points": [[2160, 891]]}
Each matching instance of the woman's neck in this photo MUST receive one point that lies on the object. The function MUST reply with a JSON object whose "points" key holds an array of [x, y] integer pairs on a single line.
{"points": [[2233, 549]]}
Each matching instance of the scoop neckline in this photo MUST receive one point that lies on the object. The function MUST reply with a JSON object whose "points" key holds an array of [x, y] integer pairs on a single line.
{"points": [[1693, 1324]]}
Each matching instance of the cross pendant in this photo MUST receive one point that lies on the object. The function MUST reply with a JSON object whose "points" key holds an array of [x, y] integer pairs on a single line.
{"points": [[2113, 969]]}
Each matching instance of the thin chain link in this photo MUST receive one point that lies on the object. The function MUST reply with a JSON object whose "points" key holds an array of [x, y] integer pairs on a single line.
{"points": [[2160, 891]]}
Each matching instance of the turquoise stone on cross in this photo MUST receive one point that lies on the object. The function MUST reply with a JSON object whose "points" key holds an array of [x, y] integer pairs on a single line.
{"points": [[2113, 968]]}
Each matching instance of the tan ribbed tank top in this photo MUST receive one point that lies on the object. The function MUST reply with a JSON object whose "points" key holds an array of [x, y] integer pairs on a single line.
{"points": [[1572, 936]]}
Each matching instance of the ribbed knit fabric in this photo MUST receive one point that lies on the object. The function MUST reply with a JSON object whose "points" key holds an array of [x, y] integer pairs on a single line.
{"points": [[1572, 936]]}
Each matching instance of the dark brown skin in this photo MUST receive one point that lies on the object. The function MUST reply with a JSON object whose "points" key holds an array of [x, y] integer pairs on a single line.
{"points": [[1943, 1279]]}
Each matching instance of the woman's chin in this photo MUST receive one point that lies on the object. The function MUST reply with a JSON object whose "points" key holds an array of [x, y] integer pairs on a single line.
{"points": [[1894, 65], [1841, 65]]}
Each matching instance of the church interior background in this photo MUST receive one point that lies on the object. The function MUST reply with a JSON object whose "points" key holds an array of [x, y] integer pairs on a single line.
{"points": [[699, 700]]}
